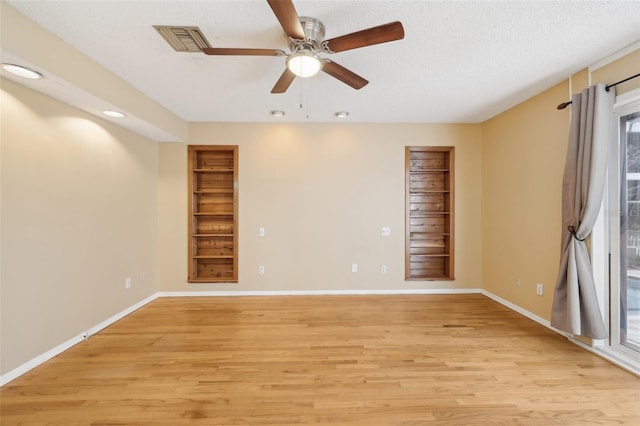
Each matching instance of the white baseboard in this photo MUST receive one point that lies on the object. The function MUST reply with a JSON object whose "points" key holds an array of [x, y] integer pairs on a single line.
{"points": [[18, 371], [626, 362], [524, 312], [106, 323], [619, 359], [316, 292], [33, 363]]}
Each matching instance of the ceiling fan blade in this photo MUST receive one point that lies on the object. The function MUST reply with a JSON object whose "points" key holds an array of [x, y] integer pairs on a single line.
{"points": [[344, 75], [375, 35], [248, 52], [284, 82], [288, 18]]}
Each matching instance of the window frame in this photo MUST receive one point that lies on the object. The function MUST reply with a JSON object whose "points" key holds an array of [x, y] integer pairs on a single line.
{"points": [[605, 260]]}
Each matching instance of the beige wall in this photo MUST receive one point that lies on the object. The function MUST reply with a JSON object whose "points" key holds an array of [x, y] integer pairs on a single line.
{"points": [[322, 192], [618, 70], [79, 215], [523, 153]]}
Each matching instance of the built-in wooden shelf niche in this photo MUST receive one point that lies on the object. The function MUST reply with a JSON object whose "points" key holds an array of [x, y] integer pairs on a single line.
{"points": [[429, 243], [213, 213]]}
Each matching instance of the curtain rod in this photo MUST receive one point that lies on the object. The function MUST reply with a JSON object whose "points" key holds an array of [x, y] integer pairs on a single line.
{"points": [[566, 104]]}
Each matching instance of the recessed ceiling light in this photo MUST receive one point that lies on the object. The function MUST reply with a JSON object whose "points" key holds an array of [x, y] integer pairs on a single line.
{"points": [[342, 114], [21, 71], [277, 113], [114, 114]]}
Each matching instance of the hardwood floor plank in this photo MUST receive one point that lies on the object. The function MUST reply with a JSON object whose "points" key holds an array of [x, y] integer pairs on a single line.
{"points": [[330, 360]]}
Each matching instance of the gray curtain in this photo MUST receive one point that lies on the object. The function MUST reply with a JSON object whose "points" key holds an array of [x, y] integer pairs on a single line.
{"points": [[575, 305]]}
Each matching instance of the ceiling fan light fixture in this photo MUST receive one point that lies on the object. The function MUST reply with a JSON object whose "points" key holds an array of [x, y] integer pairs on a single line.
{"points": [[304, 63]]}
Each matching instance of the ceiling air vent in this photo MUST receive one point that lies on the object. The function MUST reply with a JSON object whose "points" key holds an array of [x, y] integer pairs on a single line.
{"points": [[183, 39]]}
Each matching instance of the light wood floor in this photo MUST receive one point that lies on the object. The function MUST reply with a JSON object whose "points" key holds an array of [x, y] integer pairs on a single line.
{"points": [[343, 360]]}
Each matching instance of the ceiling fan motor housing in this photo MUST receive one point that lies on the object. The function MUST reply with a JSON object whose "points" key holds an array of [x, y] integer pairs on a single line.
{"points": [[313, 35]]}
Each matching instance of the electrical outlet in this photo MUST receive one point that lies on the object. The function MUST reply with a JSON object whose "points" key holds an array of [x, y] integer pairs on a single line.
{"points": [[539, 289], [260, 270], [386, 231], [260, 232], [383, 269], [145, 276], [354, 267], [85, 335], [517, 282], [127, 282]]}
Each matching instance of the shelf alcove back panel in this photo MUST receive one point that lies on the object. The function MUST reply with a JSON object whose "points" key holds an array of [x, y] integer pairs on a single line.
{"points": [[214, 181]]}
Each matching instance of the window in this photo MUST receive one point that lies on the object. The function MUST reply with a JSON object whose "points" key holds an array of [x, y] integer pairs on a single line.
{"points": [[628, 288], [621, 233]]}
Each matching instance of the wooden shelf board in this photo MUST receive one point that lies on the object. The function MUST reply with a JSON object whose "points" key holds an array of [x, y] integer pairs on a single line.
{"points": [[429, 191], [213, 214], [429, 171], [212, 257], [429, 278], [214, 170], [213, 235], [213, 191]]}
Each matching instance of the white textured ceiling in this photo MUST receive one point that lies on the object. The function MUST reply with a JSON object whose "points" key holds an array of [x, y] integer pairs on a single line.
{"points": [[460, 61]]}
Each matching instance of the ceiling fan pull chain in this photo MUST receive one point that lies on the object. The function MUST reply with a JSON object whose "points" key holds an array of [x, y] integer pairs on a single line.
{"points": [[303, 107]]}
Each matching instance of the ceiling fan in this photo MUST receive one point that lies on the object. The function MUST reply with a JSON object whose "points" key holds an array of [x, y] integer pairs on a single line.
{"points": [[306, 41]]}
